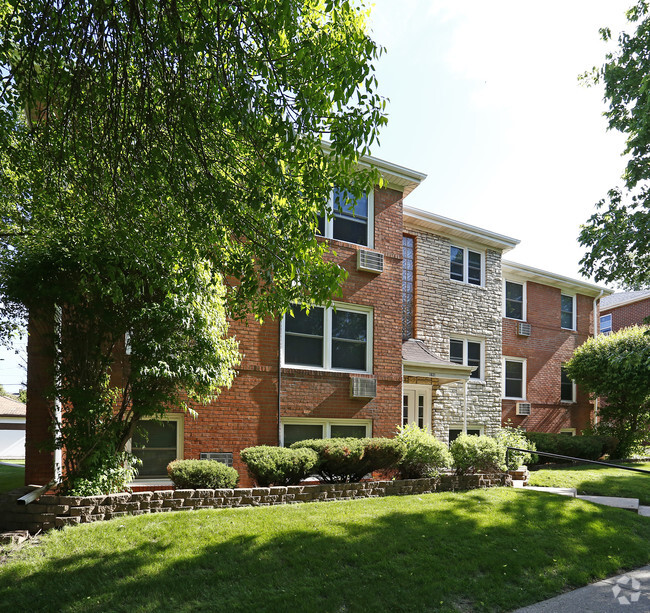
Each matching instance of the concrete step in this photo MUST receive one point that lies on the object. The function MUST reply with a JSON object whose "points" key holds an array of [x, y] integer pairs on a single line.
{"points": [[645, 511]]}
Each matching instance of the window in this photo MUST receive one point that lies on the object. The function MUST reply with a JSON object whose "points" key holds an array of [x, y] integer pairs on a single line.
{"points": [[606, 324], [351, 220], [568, 312], [514, 300], [514, 374], [568, 431], [465, 265], [408, 287], [157, 443], [468, 353], [330, 339], [456, 431], [300, 429], [567, 387]]}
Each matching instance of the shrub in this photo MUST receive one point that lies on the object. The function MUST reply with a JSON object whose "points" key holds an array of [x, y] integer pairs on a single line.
{"points": [[199, 474], [422, 453], [279, 465], [110, 475], [587, 447], [475, 454], [515, 437], [350, 459]]}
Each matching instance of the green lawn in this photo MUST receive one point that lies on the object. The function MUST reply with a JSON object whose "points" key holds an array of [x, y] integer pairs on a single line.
{"points": [[11, 477], [598, 480], [485, 550]]}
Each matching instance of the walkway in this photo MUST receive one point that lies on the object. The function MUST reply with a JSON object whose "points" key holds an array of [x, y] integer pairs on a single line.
{"points": [[626, 593]]}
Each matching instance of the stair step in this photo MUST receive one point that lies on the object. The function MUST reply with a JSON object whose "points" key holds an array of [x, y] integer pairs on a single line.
{"points": [[613, 501], [645, 511], [563, 491]]}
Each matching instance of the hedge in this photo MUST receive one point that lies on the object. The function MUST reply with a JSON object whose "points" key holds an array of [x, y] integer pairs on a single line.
{"points": [[587, 447], [475, 454], [279, 465], [202, 474], [423, 454]]}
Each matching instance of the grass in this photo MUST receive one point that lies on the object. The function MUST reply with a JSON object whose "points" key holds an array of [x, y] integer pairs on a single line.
{"points": [[11, 477], [598, 481], [485, 550], [12, 461]]}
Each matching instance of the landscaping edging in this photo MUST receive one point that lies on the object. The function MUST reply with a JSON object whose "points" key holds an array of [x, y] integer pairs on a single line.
{"points": [[52, 511]]}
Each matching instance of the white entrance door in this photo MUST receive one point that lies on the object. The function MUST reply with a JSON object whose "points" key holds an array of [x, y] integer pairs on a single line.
{"points": [[416, 405]]}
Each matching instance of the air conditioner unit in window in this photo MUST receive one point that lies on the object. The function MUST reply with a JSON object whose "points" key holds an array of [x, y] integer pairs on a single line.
{"points": [[370, 261], [360, 387], [225, 457], [523, 329], [523, 408]]}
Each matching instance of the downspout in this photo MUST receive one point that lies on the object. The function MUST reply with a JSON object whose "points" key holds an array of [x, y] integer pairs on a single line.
{"points": [[596, 331], [58, 413], [465, 406], [280, 383]]}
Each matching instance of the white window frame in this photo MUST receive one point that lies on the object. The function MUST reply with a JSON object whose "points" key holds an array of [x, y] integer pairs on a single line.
{"points": [[326, 423], [179, 418], [329, 221], [573, 322], [600, 324], [479, 427], [465, 251], [471, 339], [327, 338], [571, 431], [524, 307], [523, 376], [573, 390]]}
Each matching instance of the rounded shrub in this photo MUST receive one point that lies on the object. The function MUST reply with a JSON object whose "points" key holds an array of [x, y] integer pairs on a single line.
{"points": [[378, 454], [515, 437], [202, 474], [477, 454], [339, 459], [422, 453], [279, 465]]}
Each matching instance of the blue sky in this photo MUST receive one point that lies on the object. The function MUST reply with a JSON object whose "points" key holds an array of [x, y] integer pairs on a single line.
{"points": [[485, 99]]}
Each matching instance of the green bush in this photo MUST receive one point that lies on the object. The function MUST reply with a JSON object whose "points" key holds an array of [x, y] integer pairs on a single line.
{"points": [[279, 465], [516, 437], [110, 475], [422, 453], [586, 447], [477, 454], [350, 459], [202, 474]]}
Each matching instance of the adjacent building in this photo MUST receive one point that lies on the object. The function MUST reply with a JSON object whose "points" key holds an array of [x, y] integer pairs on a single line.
{"points": [[624, 309]]}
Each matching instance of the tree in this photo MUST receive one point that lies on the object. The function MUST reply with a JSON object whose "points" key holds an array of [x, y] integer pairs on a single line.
{"points": [[618, 234], [164, 168], [617, 368]]}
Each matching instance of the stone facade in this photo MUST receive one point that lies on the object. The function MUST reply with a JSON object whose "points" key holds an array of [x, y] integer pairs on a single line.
{"points": [[448, 309], [52, 511]]}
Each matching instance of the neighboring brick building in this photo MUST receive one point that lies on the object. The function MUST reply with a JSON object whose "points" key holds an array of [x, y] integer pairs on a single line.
{"points": [[624, 309], [457, 316], [545, 318]]}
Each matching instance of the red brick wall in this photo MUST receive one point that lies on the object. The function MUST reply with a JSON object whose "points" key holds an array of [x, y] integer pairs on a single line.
{"points": [[247, 414], [545, 350], [628, 314]]}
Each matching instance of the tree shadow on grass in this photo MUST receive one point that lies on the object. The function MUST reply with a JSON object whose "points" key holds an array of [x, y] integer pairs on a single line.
{"points": [[484, 550]]}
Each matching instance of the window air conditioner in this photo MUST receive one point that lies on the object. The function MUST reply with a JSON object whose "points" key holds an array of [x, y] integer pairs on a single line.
{"points": [[360, 387], [523, 408], [370, 261], [523, 329]]}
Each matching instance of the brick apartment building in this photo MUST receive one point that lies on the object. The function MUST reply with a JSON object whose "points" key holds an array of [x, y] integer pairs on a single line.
{"points": [[624, 309], [418, 336], [545, 318]]}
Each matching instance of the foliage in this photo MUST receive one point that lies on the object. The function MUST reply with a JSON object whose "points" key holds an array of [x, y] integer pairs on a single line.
{"points": [[423, 453], [202, 474], [278, 465], [509, 436], [104, 474], [162, 168], [350, 459], [477, 454], [617, 234], [617, 367], [22, 395], [588, 447]]}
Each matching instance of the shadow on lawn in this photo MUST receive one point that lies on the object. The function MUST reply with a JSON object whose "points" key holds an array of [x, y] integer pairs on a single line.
{"points": [[475, 551]]}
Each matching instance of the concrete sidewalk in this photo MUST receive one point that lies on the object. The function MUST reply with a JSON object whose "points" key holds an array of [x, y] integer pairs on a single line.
{"points": [[629, 592]]}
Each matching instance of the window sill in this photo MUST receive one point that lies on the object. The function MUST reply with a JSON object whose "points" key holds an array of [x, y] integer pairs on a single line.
{"points": [[324, 371], [466, 284]]}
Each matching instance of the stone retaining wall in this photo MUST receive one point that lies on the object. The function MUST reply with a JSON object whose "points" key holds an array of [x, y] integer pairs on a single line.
{"points": [[51, 511]]}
